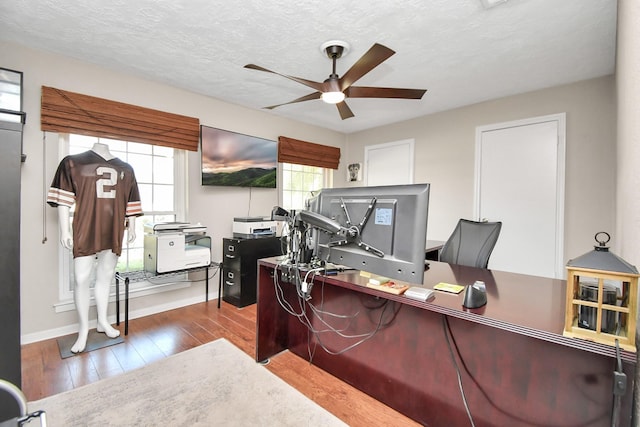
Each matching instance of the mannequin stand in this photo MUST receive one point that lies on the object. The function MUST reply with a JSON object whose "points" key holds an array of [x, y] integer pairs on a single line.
{"points": [[95, 341]]}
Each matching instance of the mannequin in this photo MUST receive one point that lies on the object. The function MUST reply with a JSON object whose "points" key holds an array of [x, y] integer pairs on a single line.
{"points": [[102, 150], [82, 269], [100, 182]]}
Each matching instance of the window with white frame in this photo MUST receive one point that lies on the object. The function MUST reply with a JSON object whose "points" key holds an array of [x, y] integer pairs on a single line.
{"points": [[160, 175], [300, 182]]}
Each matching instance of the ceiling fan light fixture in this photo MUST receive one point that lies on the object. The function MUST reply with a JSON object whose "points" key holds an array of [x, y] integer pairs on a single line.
{"points": [[338, 46], [335, 89], [332, 97]]}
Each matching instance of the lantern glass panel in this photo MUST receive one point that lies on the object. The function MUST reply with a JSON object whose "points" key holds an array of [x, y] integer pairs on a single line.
{"points": [[610, 322], [624, 297]]}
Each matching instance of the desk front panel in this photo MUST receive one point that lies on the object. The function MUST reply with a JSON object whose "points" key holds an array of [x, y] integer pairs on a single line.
{"points": [[404, 359]]}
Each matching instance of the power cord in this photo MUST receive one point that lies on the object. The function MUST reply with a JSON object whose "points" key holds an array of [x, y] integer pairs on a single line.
{"points": [[364, 337], [303, 290], [445, 327], [484, 393]]}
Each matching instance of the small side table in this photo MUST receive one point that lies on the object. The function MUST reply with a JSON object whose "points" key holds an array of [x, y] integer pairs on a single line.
{"points": [[125, 278], [126, 301]]}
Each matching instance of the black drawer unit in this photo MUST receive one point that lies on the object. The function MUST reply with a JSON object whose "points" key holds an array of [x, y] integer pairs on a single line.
{"points": [[240, 264]]}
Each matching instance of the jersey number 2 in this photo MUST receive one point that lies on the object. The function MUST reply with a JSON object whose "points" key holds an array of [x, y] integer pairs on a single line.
{"points": [[105, 186]]}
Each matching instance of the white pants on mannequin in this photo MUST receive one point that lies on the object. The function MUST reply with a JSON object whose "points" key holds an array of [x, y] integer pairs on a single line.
{"points": [[83, 267]]}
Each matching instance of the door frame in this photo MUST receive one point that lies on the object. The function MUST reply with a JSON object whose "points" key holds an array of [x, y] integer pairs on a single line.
{"points": [[560, 118], [400, 144]]}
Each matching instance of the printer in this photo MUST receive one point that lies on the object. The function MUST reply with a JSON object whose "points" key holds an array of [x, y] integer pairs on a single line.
{"points": [[253, 227], [175, 246]]}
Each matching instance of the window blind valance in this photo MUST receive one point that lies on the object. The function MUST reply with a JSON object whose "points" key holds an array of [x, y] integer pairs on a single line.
{"points": [[69, 112], [307, 153]]}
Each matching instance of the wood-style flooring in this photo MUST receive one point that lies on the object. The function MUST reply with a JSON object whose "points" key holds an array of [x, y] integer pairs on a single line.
{"points": [[151, 338]]}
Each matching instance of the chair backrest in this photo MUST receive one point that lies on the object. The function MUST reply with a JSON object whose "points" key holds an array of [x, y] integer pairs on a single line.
{"points": [[471, 243]]}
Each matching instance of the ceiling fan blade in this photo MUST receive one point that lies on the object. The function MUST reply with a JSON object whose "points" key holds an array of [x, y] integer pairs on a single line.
{"points": [[314, 95], [370, 60], [383, 92], [344, 110], [314, 85]]}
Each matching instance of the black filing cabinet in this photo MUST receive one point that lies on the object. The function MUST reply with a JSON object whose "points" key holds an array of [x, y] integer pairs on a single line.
{"points": [[240, 265]]}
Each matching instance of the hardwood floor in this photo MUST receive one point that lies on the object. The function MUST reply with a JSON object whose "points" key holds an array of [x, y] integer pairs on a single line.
{"points": [[151, 338]]}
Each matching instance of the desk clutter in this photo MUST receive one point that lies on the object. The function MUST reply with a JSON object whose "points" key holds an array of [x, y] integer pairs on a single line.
{"points": [[419, 293], [390, 287], [384, 284], [448, 287]]}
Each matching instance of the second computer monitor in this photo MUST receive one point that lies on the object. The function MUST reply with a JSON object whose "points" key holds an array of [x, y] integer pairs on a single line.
{"points": [[388, 228]]}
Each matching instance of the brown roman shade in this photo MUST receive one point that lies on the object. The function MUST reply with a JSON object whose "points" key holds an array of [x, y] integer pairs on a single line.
{"points": [[69, 112], [307, 153]]}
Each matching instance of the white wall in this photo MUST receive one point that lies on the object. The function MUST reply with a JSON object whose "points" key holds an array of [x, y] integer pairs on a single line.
{"points": [[444, 154], [445, 150], [213, 207], [628, 178], [628, 96]]}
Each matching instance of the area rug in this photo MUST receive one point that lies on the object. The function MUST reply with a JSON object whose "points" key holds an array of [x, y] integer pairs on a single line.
{"points": [[215, 384]]}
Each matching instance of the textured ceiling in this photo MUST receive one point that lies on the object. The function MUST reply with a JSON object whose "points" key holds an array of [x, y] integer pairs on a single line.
{"points": [[458, 50]]}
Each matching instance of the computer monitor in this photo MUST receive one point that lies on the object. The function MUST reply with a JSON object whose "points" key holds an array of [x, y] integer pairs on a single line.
{"points": [[383, 229]]}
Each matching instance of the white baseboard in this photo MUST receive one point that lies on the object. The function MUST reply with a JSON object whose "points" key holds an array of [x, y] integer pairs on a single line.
{"points": [[147, 311]]}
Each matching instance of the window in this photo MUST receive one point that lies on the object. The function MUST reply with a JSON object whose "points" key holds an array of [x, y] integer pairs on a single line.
{"points": [[11, 96], [299, 182], [160, 176]]}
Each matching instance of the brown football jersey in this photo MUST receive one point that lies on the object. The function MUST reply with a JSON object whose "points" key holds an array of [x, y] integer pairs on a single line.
{"points": [[105, 192]]}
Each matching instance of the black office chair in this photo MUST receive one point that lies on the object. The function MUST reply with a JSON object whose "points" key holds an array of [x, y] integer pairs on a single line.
{"points": [[471, 243]]}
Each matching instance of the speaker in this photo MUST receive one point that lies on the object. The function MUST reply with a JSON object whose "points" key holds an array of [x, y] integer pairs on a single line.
{"points": [[475, 296]]}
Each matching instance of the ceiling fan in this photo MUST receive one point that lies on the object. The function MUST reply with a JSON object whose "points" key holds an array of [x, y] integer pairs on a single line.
{"points": [[335, 89]]}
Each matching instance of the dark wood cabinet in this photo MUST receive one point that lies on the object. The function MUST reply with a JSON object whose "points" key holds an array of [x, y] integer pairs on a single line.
{"points": [[10, 161], [239, 266]]}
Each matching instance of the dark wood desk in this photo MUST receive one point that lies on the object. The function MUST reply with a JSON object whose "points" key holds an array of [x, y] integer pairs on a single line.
{"points": [[516, 366], [432, 250]]}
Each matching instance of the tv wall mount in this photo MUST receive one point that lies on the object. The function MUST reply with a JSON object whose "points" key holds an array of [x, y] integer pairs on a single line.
{"points": [[353, 233]]}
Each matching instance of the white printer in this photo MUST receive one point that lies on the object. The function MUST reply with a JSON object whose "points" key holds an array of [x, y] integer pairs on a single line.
{"points": [[175, 246], [253, 227]]}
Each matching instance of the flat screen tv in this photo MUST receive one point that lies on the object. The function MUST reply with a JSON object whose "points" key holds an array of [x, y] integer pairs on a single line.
{"points": [[389, 229], [238, 160]]}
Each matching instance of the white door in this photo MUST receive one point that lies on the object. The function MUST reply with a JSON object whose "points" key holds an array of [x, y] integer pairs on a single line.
{"points": [[390, 163], [520, 181]]}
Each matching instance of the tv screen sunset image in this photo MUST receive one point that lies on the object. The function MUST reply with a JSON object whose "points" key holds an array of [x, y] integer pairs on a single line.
{"points": [[234, 159]]}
